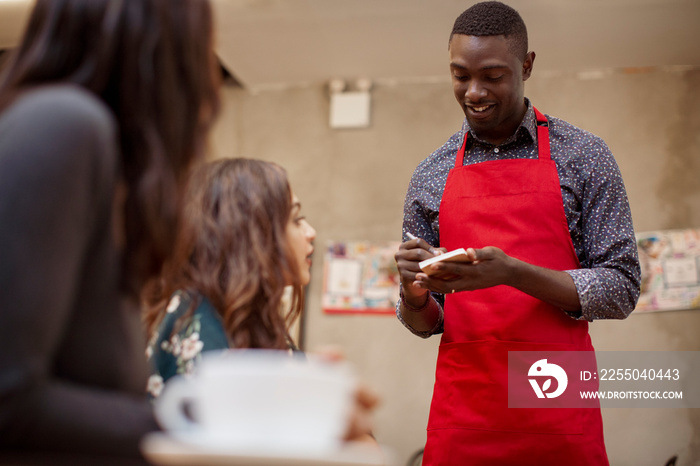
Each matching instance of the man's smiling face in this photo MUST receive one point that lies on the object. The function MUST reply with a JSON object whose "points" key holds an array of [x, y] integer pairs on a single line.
{"points": [[488, 82]]}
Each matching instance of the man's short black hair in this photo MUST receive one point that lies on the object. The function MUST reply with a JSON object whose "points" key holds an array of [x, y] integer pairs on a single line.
{"points": [[494, 19]]}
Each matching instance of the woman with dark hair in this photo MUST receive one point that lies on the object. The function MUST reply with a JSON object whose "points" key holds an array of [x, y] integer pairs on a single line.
{"points": [[243, 240], [104, 107], [242, 244]]}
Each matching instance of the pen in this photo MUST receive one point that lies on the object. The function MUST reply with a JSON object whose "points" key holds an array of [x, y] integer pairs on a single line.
{"points": [[432, 250]]}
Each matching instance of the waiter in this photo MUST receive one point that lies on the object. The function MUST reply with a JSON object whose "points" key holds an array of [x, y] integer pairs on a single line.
{"points": [[541, 208]]}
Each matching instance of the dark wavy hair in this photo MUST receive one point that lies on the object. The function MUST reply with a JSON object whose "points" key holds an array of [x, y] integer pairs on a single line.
{"points": [[233, 249], [494, 19], [152, 63]]}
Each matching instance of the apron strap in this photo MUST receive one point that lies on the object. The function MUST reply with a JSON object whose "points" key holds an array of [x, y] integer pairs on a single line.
{"points": [[542, 140], [459, 161], [542, 136]]}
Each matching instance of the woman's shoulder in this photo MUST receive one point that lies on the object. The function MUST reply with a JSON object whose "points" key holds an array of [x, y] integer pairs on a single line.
{"points": [[60, 142], [190, 327], [60, 119], [189, 307], [64, 107]]}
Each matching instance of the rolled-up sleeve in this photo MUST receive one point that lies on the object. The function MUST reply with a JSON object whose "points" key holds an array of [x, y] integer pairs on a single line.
{"points": [[609, 278], [421, 213]]}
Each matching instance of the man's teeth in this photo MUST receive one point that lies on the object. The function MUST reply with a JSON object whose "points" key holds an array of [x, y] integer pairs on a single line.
{"points": [[479, 109]]}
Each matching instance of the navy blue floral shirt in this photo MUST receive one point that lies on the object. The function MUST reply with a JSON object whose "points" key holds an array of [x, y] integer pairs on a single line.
{"points": [[190, 327], [177, 351], [595, 202]]}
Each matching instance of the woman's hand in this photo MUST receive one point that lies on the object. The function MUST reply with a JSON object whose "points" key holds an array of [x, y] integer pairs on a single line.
{"points": [[360, 422]]}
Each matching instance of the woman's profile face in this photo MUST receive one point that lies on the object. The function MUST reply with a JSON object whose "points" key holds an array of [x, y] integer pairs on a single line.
{"points": [[301, 236]]}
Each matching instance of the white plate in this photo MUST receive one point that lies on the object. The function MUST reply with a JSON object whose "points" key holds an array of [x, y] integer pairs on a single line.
{"points": [[163, 449]]}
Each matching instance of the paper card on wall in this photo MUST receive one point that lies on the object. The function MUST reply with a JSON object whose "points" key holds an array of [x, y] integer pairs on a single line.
{"points": [[670, 262], [344, 277], [680, 272], [360, 277]]}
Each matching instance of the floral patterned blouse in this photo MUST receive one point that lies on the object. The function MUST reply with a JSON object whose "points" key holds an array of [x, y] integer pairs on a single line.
{"points": [[177, 352]]}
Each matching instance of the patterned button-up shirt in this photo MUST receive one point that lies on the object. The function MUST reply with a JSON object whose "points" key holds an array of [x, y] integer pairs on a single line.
{"points": [[595, 202]]}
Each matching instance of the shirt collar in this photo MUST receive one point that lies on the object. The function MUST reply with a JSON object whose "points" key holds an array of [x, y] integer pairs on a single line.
{"points": [[528, 126]]}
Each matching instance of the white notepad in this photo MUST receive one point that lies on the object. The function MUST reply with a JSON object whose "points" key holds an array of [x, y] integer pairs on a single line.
{"points": [[457, 255]]}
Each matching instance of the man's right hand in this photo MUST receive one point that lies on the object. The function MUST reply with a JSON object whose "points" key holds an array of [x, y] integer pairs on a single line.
{"points": [[409, 255]]}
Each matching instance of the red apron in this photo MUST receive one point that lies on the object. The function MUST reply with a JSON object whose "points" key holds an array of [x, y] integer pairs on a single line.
{"points": [[515, 205]]}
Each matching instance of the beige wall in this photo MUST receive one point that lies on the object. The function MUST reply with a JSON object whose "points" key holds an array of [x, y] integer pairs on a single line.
{"points": [[352, 184]]}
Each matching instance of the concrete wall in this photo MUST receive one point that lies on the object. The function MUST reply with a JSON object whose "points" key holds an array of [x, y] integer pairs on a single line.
{"points": [[352, 183]]}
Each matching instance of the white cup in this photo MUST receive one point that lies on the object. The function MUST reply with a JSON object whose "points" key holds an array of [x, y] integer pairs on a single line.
{"points": [[261, 400]]}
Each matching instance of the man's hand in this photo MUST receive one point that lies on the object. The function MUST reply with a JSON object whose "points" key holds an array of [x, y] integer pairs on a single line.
{"points": [[409, 255], [490, 266], [485, 268], [415, 308]]}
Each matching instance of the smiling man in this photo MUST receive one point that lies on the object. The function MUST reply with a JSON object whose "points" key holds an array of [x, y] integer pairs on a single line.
{"points": [[541, 209]]}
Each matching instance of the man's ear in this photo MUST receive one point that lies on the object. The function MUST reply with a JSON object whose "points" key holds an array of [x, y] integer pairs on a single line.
{"points": [[528, 64]]}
